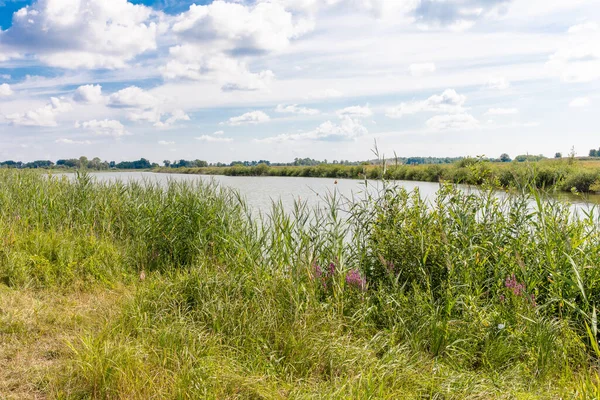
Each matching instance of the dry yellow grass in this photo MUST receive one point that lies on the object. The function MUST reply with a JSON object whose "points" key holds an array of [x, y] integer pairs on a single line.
{"points": [[35, 330]]}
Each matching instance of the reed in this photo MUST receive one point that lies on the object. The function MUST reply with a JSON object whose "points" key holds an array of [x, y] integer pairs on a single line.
{"points": [[386, 295]]}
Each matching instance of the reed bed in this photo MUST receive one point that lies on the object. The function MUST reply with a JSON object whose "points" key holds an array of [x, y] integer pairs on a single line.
{"points": [[469, 295]]}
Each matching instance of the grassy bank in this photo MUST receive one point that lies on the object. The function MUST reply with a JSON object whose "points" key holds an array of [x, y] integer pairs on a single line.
{"points": [[564, 174], [469, 297]]}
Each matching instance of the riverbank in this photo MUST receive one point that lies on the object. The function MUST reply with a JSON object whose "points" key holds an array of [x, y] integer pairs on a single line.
{"points": [[563, 174], [469, 297]]}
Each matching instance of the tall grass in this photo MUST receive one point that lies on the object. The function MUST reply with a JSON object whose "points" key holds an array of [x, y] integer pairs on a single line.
{"points": [[384, 296]]}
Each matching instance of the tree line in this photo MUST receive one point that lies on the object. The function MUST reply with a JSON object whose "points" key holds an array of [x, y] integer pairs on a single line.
{"points": [[143, 163]]}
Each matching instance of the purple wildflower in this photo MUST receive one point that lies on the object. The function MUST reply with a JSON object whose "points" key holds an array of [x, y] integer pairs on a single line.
{"points": [[331, 269], [354, 279], [318, 271], [514, 285], [502, 298]]}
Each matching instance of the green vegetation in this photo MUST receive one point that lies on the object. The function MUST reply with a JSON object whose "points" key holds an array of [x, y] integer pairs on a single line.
{"points": [[579, 175], [181, 292]]}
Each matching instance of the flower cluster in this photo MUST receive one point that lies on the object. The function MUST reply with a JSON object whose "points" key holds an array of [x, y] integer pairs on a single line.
{"points": [[514, 285], [518, 289], [354, 279]]}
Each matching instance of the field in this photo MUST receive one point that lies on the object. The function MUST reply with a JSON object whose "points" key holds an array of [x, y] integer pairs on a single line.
{"points": [[569, 175], [136, 291]]}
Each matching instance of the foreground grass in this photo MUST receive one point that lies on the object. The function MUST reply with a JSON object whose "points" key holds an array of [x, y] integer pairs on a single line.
{"points": [[580, 175], [36, 328], [136, 291]]}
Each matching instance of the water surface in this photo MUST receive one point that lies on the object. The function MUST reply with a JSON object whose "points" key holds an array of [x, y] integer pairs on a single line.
{"points": [[261, 191]]}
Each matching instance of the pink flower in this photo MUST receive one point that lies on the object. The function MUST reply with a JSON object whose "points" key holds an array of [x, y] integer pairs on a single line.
{"points": [[354, 279]]}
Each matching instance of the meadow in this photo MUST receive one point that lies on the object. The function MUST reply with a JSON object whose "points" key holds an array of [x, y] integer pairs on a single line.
{"points": [[139, 291], [566, 174]]}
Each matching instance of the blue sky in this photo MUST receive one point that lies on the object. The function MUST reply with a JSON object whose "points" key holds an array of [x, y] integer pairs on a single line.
{"points": [[279, 79]]}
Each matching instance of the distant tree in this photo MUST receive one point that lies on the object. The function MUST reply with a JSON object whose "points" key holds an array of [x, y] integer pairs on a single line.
{"points": [[505, 157], [593, 153], [558, 155], [39, 164], [528, 157], [167, 163], [142, 163], [83, 162]]}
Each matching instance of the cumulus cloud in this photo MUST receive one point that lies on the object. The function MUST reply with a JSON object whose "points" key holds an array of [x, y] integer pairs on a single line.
{"points": [[295, 109], [214, 139], [502, 111], [106, 127], [43, 116], [192, 62], [423, 69], [215, 37], [239, 28], [578, 56], [347, 129], [83, 33], [580, 102], [132, 97], [252, 117], [177, 115], [144, 107], [90, 94], [5, 90], [449, 102], [70, 141], [219, 133], [452, 122], [355, 112], [165, 143]]}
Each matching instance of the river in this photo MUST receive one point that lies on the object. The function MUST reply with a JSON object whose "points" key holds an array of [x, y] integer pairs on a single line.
{"points": [[261, 191]]}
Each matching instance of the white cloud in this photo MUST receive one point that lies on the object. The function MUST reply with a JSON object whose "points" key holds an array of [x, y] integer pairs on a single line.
{"points": [[215, 40], [449, 101], [578, 56], [219, 133], [457, 14], [105, 127], [213, 139], [43, 116], [193, 62], [252, 117], [239, 28], [70, 141], [347, 129], [580, 102], [502, 111], [295, 109], [90, 94], [355, 112], [133, 97], [83, 33], [5, 90], [452, 122], [423, 69], [498, 82], [177, 115], [165, 143]]}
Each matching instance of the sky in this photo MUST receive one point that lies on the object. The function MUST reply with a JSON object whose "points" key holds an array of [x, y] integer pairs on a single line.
{"points": [[228, 80]]}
